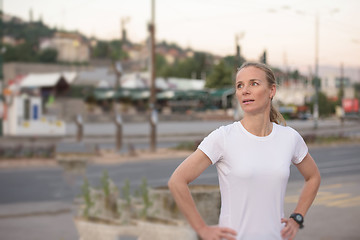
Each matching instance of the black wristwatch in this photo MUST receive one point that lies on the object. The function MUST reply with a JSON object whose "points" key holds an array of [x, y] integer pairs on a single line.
{"points": [[298, 218]]}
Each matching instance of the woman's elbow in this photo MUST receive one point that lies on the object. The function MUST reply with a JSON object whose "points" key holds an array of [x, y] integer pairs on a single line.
{"points": [[171, 182], [315, 179], [176, 182], [318, 177]]}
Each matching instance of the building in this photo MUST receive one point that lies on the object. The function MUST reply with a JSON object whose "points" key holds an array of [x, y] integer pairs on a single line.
{"points": [[331, 86], [71, 47], [24, 117], [8, 40], [47, 84], [24, 113]]}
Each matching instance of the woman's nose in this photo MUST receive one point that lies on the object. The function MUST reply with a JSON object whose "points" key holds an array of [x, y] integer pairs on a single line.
{"points": [[245, 90]]}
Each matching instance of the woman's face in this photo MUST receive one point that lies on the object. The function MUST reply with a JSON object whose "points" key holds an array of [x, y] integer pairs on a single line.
{"points": [[253, 91]]}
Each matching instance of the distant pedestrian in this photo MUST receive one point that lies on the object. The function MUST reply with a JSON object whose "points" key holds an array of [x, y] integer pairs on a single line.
{"points": [[253, 158]]}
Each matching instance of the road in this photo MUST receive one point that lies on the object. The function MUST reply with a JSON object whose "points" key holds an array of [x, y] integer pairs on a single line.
{"points": [[334, 215], [192, 128], [169, 134]]}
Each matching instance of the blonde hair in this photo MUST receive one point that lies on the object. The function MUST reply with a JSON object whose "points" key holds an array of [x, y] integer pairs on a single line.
{"points": [[275, 115]]}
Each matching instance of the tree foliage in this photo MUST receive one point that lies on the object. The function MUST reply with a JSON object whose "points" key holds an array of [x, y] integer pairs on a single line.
{"points": [[109, 50], [23, 52], [31, 33], [221, 76], [326, 106], [190, 67], [48, 55]]}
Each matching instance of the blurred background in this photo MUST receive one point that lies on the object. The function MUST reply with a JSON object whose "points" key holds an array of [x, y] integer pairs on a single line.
{"points": [[118, 93]]}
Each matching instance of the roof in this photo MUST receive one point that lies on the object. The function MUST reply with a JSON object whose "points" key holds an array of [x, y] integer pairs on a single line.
{"points": [[34, 80], [105, 78], [181, 94], [102, 76], [135, 80], [186, 84]]}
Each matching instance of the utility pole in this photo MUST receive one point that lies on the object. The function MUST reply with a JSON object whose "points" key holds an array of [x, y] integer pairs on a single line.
{"points": [[238, 113], [264, 57], [341, 95], [118, 73], [153, 118], [286, 70], [342, 92], [237, 61], [1, 65], [316, 76], [237, 54], [123, 21], [118, 70]]}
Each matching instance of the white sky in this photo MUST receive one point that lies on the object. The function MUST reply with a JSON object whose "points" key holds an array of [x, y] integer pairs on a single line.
{"points": [[286, 28]]}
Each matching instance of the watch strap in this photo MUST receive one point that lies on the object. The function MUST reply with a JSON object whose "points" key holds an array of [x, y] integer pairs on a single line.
{"points": [[298, 218]]}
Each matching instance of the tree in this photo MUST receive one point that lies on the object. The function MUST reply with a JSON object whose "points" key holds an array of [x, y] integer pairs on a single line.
{"points": [[48, 55], [112, 50], [220, 77], [163, 69], [100, 50], [295, 74], [357, 90], [326, 107], [186, 68], [23, 52], [116, 52], [234, 63], [263, 57]]}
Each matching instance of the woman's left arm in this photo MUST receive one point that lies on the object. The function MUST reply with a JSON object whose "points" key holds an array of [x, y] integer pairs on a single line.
{"points": [[311, 174]]}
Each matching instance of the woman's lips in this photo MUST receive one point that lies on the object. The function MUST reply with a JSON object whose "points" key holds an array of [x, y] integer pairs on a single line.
{"points": [[248, 101]]}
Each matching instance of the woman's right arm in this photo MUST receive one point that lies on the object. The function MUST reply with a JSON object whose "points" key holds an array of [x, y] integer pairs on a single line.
{"points": [[184, 174]]}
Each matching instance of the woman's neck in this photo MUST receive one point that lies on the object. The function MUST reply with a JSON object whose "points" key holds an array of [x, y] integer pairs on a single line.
{"points": [[259, 125]]}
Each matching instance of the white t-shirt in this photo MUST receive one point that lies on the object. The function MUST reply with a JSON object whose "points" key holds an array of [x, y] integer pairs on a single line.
{"points": [[253, 173]]}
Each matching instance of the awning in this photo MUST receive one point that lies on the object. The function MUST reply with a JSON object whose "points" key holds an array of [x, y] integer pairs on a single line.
{"points": [[106, 94], [219, 93], [140, 95], [178, 94], [38, 80]]}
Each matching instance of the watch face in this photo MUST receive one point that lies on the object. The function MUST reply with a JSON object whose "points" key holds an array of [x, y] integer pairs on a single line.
{"points": [[299, 218]]}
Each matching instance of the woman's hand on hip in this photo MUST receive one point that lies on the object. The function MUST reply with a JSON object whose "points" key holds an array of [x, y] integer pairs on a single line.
{"points": [[290, 230], [217, 233]]}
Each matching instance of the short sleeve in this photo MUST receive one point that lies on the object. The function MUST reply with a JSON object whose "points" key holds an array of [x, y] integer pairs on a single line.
{"points": [[300, 149], [212, 145]]}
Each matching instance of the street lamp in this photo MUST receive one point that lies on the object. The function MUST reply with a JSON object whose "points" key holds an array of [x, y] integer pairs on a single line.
{"points": [[238, 113], [316, 79]]}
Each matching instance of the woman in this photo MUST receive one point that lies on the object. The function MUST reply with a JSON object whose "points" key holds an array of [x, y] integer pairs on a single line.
{"points": [[253, 158]]}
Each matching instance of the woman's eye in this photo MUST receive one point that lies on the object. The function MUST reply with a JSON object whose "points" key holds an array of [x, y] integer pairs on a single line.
{"points": [[239, 86], [254, 84]]}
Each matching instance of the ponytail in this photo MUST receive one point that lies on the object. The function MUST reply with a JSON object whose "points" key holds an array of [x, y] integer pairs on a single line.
{"points": [[276, 117]]}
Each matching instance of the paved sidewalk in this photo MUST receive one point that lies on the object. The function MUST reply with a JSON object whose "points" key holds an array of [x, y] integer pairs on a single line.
{"points": [[335, 211], [37, 221], [55, 219]]}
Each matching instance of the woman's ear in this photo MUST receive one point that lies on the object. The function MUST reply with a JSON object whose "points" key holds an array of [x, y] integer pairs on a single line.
{"points": [[272, 91]]}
